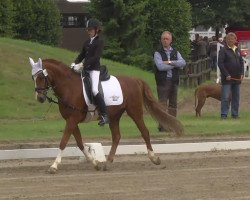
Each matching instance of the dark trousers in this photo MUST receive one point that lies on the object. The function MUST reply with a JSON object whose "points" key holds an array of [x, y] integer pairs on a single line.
{"points": [[214, 62], [167, 95]]}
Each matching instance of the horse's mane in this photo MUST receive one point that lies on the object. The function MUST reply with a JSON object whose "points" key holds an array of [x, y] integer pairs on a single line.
{"points": [[58, 65], [55, 62]]}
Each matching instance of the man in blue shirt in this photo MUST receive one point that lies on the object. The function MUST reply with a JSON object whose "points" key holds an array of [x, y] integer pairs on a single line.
{"points": [[168, 61]]}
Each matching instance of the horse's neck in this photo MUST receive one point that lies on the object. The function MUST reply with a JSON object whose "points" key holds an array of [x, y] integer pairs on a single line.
{"points": [[62, 80]]}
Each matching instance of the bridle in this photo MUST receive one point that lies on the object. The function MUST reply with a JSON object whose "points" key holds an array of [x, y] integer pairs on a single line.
{"points": [[44, 90]]}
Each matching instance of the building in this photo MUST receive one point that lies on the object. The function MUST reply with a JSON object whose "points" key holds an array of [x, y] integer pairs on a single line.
{"points": [[73, 21]]}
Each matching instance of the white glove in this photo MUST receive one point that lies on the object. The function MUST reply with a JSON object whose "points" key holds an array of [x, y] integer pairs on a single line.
{"points": [[78, 67], [72, 65]]}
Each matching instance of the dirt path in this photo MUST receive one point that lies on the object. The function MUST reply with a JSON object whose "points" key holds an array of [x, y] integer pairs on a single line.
{"points": [[186, 176]]}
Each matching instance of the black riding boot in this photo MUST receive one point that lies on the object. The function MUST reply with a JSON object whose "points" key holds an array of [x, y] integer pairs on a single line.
{"points": [[103, 110]]}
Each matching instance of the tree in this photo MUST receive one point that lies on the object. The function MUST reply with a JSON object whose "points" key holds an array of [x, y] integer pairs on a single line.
{"points": [[219, 13], [173, 16], [6, 16], [24, 19], [133, 27], [124, 28], [48, 29], [37, 20]]}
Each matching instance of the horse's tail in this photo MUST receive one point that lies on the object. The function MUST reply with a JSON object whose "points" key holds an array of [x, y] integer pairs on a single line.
{"points": [[158, 112]]}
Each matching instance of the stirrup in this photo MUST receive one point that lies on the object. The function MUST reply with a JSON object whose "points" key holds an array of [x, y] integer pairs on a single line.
{"points": [[104, 120]]}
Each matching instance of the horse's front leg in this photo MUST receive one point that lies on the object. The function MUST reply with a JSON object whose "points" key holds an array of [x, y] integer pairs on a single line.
{"points": [[84, 148], [70, 126]]}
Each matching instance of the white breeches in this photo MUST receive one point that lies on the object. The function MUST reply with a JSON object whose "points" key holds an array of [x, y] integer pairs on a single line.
{"points": [[94, 75]]}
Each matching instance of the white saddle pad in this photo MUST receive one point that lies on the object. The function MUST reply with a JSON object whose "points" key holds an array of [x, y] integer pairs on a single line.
{"points": [[112, 92]]}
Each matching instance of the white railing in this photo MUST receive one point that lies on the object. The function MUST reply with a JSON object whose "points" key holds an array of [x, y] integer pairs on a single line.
{"points": [[246, 67]]}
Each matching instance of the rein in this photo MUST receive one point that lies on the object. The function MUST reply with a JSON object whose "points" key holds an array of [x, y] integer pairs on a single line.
{"points": [[51, 100]]}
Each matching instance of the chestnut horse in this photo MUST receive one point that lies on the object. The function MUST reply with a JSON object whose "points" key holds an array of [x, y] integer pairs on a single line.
{"points": [[67, 87]]}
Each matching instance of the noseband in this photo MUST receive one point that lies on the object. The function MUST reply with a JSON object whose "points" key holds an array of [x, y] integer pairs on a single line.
{"points": [[42, 90]]}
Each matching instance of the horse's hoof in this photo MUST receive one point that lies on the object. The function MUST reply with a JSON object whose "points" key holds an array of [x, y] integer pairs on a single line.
{"points": [[52, 170], [164, 166], [98, 166], [110, 159], [104, 166], [156, 161]]}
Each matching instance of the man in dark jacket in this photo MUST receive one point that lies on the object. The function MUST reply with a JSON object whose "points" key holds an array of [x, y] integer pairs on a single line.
{"points": [[168, 61], [232, 72], [91, 54]]}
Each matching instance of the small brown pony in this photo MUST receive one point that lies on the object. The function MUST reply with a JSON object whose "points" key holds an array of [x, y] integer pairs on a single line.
{"points": [[67, 87]]}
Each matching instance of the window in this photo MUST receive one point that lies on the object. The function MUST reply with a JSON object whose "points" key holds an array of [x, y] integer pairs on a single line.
{"points": [[73, 20]]}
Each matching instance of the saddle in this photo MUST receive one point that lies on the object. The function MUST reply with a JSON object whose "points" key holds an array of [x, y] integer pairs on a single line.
{"points": [[104, 76]]}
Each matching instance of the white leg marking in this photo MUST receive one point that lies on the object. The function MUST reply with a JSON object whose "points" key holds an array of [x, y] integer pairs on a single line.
{"points": [[58, 159], [87, 154], [153, 158], [151, 154]]}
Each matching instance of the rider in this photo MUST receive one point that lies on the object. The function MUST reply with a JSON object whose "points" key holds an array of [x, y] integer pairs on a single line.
{"points": [[91, 53]]}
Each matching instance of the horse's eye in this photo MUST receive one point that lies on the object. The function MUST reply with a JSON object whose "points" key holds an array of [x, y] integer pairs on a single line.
{"points": [[32, 78]]}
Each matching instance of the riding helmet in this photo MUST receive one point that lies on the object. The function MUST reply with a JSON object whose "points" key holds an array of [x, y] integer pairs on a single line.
{"points": [[93, 23]]}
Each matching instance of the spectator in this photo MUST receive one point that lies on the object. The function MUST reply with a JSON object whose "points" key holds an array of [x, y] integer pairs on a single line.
{"points": [[201, 48], [194, 47], [212, 52], [207, 44], [220, 38], [232, 70], [168, 62]]}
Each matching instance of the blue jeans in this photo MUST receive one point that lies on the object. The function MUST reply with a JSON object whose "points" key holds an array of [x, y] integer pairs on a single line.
{"points": [[226, 91]]}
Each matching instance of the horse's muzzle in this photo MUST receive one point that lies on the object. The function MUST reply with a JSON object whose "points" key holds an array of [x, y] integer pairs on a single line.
{"points": [[40, 97], [41, 94]]}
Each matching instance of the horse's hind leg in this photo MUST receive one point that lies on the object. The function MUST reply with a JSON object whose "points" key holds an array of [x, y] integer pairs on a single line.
{"points": [[137, 116], [84, 148], [116, 136]]}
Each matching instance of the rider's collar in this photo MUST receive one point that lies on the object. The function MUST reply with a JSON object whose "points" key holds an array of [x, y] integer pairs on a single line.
{"points": [[92, 39]]}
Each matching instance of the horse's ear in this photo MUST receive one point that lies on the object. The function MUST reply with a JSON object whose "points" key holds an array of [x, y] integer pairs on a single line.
{"points": [[40, 63], [31, 61]]}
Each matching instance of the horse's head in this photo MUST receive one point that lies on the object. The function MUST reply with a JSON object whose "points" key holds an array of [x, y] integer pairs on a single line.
{"points": [[40, 77]]}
